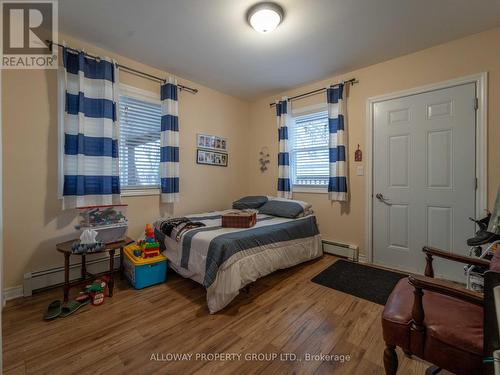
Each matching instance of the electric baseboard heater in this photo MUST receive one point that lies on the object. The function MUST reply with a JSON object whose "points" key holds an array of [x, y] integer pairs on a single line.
{"points": [[350, 252]]}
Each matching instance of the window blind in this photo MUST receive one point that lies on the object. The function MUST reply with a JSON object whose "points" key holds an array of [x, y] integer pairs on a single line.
{"points": [[140, 125], [309, 150]]}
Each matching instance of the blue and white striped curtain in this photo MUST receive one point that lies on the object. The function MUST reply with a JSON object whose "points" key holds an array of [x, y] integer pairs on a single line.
{"points": [[282, 118], [337, 186], [169, 160], [91, 131]]}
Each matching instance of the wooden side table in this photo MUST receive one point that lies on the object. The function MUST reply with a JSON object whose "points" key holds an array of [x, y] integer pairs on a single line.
{"points": [[65, 248]]}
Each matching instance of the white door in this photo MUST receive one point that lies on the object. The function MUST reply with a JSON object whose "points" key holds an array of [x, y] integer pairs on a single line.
{"points": [[424, 178]]}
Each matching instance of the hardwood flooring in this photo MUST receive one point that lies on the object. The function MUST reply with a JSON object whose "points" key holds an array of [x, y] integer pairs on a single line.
{"points": [[283, 313]]}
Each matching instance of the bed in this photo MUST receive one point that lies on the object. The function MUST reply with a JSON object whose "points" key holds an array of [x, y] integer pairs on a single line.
{"points": [[224, 260]]}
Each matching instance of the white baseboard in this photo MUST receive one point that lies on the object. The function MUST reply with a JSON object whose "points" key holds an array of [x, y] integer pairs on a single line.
{"points": [[350, 252], [34, 281], [12, 293]]}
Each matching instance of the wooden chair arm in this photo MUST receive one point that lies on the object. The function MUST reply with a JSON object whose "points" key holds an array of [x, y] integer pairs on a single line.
{"points": [[431, 251], [447, 288], [421, 283]]}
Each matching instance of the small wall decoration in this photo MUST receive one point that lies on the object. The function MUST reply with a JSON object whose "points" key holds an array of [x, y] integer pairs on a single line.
{"points": [[211, 142], [212, 158], [358, 155], [264, 159]]}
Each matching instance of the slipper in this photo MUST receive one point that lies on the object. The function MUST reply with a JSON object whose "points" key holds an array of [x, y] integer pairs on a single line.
{"points": [[83, 297], [53, 310], [72, 306]]}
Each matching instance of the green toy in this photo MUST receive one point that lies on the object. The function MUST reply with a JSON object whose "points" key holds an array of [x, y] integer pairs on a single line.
{"points": [[94, 288], [96, 291]]}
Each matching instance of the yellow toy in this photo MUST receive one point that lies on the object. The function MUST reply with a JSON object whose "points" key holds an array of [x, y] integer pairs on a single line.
{"points": [[147, 248], [134, 249]]}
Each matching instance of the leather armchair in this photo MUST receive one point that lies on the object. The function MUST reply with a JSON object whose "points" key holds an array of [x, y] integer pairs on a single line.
{"points": [[436, 320]]}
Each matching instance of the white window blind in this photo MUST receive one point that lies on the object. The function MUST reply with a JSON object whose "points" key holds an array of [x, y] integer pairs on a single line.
{"points": [[309, 150], [140, 125]]}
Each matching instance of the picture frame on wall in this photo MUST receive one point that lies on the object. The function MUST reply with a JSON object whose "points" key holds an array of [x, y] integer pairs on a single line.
{"points": [[206, 157], [212, 142]]}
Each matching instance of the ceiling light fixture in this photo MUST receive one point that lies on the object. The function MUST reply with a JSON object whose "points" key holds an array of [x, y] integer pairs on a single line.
{"points": [[265, 17]]}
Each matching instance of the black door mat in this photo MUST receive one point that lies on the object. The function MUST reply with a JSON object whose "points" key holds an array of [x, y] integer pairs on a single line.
{"points": [[363, 281]]}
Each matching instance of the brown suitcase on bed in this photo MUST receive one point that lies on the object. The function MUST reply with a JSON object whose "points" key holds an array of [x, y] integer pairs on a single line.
{"points": [[239, 219]]}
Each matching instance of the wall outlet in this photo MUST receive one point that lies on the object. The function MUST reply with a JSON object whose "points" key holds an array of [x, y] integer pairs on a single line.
{"points": [[360, 171]]}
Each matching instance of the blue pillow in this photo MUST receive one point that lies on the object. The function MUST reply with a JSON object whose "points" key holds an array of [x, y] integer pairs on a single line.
{"points": [[282, 208], [251, 201]]}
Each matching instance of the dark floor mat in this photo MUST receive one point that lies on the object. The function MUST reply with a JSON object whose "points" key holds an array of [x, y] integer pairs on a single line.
{"points": [[363, 281]]}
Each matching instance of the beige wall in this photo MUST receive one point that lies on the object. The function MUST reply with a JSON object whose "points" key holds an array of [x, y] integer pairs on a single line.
{"points": [[470, 55], [34, 221]]}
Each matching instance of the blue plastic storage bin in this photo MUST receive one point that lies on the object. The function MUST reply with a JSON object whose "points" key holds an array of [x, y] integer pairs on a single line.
{"points": [[144, 272]]}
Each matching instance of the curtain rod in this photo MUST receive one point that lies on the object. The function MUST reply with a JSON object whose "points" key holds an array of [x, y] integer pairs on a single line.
{"points": [[351, 81], [126, 68]]}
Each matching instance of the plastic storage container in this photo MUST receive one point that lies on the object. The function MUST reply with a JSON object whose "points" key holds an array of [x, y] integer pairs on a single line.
{"points": [[144, 272], [110, 233], [108, 221]]}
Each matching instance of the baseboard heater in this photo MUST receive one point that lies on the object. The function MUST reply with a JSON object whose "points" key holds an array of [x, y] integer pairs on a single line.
{"points": [[350, 252], [45, 279]]}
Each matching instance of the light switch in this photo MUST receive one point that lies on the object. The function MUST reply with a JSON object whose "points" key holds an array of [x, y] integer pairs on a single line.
{"points": [[360, 171]]}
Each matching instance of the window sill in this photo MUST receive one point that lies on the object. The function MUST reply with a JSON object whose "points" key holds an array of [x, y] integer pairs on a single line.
{"points": [[139, 192], [309, 189]]}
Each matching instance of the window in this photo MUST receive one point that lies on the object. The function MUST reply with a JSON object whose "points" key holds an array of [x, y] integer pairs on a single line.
{"points": [[309, 152], [140, 126]]}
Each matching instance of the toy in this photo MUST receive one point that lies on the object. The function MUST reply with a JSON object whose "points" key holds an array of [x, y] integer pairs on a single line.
{"points": [[150, 250], [150, 234], [143, 272], [147, 248], [100, 215], [150, 246], [96, 291], [134, 249], [109, 222]]}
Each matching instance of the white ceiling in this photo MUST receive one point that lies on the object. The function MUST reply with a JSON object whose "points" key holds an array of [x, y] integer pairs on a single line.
{"points": [[209, 41]]}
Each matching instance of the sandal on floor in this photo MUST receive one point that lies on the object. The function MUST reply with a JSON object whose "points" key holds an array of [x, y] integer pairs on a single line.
{"points": [[72, 306], [83, 297], [53, 310]]}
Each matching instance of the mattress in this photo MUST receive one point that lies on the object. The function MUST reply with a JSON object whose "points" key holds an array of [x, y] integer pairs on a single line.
{"points": [[224, 260]]}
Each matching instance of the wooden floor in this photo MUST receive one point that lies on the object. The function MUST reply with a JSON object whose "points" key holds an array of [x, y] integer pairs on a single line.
{"points": [[283, 313]]}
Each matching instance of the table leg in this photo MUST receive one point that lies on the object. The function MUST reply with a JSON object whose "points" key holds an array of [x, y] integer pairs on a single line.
{"points": [[66, 276], [121, 263], [84, 267], [111, 283]]}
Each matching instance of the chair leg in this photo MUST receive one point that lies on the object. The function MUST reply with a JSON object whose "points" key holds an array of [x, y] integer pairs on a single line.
{"points": [[390, 360], [432, 370]]}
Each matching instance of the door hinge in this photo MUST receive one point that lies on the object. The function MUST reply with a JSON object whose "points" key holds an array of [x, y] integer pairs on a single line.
{"points": [[476, 103], [476, 184]]}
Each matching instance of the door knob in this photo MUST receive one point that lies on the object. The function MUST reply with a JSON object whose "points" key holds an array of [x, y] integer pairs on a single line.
{"points": [[382, 199]]}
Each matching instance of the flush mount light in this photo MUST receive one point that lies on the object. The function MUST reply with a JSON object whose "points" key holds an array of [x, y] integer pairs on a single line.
{"points": [[265, 17]]}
